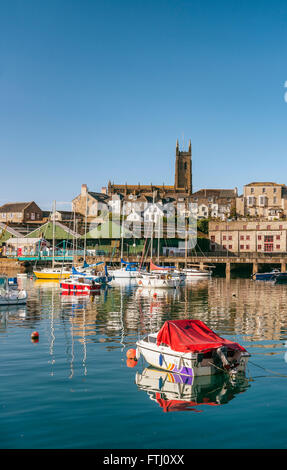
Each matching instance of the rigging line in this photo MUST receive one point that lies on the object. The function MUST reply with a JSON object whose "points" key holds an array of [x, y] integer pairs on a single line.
{"points": [[268, 370]]}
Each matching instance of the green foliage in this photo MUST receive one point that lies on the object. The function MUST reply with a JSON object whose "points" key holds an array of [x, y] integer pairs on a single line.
{"points": [[202, 225]]}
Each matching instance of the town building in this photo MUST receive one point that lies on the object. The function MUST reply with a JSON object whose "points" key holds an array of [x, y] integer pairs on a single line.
{"points": [[214, 203], [20, 212], [241, 236], [90, 204], [263, 200]]}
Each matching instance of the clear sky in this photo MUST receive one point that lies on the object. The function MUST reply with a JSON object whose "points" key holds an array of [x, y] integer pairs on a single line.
{"points": [[97, 90]]}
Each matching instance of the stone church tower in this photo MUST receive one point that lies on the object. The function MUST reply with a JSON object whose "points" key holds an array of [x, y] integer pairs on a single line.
{"points": [[183, 172]]}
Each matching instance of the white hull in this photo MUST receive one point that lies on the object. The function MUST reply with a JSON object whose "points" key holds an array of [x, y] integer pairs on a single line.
{"points": [[191, 364], [123, 274], [195, 273]]}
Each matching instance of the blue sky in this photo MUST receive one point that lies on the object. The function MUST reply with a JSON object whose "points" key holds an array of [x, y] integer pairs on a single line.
{"points": [[92, 91]]}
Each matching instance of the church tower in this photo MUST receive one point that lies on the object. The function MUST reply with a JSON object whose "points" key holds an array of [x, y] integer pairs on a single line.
{"points": [[183, 172]]}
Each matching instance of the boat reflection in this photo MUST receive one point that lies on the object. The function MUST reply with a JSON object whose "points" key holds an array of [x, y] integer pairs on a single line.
{"points": [[174, 392]]}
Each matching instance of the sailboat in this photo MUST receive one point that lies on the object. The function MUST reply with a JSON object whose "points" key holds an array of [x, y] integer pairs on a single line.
{"points": [[53, 272], [158, 277]]}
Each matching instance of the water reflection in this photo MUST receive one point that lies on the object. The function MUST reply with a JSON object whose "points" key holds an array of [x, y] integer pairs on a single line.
{"points": [[173, 392]]}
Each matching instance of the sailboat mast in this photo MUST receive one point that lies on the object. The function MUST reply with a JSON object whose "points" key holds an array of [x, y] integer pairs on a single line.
{"points": [[54, 215], [85, 239]]}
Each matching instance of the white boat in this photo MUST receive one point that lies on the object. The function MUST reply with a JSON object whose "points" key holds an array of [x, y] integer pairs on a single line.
{"points": [[11, 296], [189, 347], [194, 273], [158, 280]]}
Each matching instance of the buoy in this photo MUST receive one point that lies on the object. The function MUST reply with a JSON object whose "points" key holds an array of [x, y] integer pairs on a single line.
{"points": [[131, 354], [35, 335], [131, 362], [155, 295]]}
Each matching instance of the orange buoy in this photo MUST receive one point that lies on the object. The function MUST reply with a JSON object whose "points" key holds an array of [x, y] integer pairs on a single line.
{"points": [[131, 354], [155, 295], [35, 335], [131, 362]]}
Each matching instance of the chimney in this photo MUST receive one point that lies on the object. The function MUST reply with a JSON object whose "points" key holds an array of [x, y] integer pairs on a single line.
{"points": [[84, 190], [104, 190]]}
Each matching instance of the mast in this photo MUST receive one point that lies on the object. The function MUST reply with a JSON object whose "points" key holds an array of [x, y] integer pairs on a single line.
{"points": [[74, 228], [85, 239], [54, 215]]}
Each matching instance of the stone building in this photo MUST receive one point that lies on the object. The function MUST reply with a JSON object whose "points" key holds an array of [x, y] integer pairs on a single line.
{"points": [[263, 200], [90, 204], [182, 180], [20, 212], [242, 236]]}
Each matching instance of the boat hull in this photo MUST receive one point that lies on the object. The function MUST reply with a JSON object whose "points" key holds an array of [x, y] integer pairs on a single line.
{"points": [[79, 288], [189, 364], [51, 275]]}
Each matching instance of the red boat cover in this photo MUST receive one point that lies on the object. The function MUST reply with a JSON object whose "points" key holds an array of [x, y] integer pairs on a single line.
{"points": [[192, 336]]}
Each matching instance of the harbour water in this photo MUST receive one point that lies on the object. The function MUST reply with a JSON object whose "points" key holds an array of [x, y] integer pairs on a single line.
{"points": [[73, 389]]}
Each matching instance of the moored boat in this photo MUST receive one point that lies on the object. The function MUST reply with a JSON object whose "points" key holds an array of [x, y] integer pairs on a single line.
{"points": [[274, 275], [189, 347], [79, 285]]}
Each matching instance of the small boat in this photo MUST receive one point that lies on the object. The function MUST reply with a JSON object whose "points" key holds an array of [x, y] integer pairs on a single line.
{"points": [[53, 273], [189, 347], [11, 295], [79, 285], [158, 280], [195, 273], [126, 271], [274, 275], [175, 392]]}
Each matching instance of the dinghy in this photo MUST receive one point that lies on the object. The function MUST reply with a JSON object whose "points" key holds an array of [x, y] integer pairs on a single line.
{"points": [[189, 347]]}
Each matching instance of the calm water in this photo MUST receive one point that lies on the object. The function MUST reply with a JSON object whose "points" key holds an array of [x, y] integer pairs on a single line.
{"points": [[73, 388]]}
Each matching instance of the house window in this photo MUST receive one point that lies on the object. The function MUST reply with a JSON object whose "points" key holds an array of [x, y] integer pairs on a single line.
{"points": [[263, 190], [241, 237], [247, 247], [268, 238], [247, 237], [230, 237], [241, 247], [230, 247], [278, 237], [259, 247], [252, 190], [274, 190], [224, 246], [212, 238], [259, 237], [274, 200], [277, 247], [224, 237]]}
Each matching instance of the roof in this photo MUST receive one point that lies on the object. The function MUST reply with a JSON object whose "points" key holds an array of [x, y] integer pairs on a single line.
{"points": [[62, 232], [220, 193], [264, 183], [10, 230], [108, 229], [14, 206]]}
